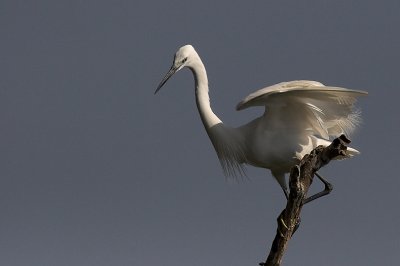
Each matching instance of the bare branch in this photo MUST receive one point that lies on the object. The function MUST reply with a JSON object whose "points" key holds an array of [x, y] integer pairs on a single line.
{"points": [[301, 177]]}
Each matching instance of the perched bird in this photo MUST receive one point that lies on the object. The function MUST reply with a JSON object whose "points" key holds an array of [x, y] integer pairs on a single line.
{"points": [[299, 116]]}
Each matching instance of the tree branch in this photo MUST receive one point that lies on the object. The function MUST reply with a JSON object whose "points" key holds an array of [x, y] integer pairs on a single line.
{"points": [[301, 177]]}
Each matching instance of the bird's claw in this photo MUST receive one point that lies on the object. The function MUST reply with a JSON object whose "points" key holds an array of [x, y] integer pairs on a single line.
{"points": [[281, 223]]}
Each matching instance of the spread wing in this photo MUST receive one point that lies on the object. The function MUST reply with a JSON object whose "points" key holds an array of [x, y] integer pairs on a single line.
{"points": [[326, 111]]}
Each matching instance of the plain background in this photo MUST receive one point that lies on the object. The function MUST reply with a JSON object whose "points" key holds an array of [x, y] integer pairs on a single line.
{"points": [[96, 170]]}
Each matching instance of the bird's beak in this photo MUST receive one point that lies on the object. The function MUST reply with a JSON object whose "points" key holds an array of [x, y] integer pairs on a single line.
{"points": [[171, 71]]}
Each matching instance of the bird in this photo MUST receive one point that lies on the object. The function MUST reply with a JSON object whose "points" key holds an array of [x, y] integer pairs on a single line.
{"points": [[299, 116]]}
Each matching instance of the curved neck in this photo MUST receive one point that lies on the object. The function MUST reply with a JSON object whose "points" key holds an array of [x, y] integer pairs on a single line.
{"points": [[208, 117], [227, 142]]}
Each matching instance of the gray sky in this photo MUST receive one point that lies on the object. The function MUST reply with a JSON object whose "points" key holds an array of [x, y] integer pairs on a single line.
{"points": [[96, 170]]}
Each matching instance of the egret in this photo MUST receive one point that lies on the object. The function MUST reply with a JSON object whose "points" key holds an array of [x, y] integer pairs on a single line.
{"points": [[299, 116]]}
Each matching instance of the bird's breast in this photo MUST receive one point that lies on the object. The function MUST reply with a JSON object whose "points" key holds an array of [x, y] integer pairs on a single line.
{"points": [[275, 149]]}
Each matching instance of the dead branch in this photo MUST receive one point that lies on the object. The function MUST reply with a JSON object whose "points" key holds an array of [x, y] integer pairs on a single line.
{"points": [[301, 177]]}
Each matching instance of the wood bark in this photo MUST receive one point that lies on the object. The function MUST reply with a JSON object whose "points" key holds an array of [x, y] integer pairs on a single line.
{"points": [[301, 177]]}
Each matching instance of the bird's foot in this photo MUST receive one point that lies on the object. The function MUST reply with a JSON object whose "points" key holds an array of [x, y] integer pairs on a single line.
{"points": [[282, 227], [328, 188]]}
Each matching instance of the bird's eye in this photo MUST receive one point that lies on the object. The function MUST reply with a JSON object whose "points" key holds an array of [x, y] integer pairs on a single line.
{"points": [[184, 60]]}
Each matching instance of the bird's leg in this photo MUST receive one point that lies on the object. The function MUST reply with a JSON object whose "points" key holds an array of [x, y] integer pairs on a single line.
{"points": [[285, 190], [326, 191], [280, 177]]}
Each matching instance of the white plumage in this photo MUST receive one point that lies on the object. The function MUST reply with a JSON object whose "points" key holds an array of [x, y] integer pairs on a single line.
{"points": [[299, 115]]}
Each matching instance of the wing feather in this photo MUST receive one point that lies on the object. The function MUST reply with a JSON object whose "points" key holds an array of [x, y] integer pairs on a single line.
{"points": [[327, 111]]}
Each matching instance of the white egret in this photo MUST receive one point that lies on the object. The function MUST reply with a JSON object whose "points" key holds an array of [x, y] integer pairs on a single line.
{"points": [[299, 115]]}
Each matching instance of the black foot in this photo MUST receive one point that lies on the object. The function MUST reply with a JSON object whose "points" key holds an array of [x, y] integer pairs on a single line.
{"points": [[326, 191]]}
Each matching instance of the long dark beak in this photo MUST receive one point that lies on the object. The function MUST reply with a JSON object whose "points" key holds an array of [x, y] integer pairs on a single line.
{"points": [[171, 71]]}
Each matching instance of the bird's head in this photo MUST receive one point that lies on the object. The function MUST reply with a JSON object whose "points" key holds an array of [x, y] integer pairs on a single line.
{"points": [[184, 57]]}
